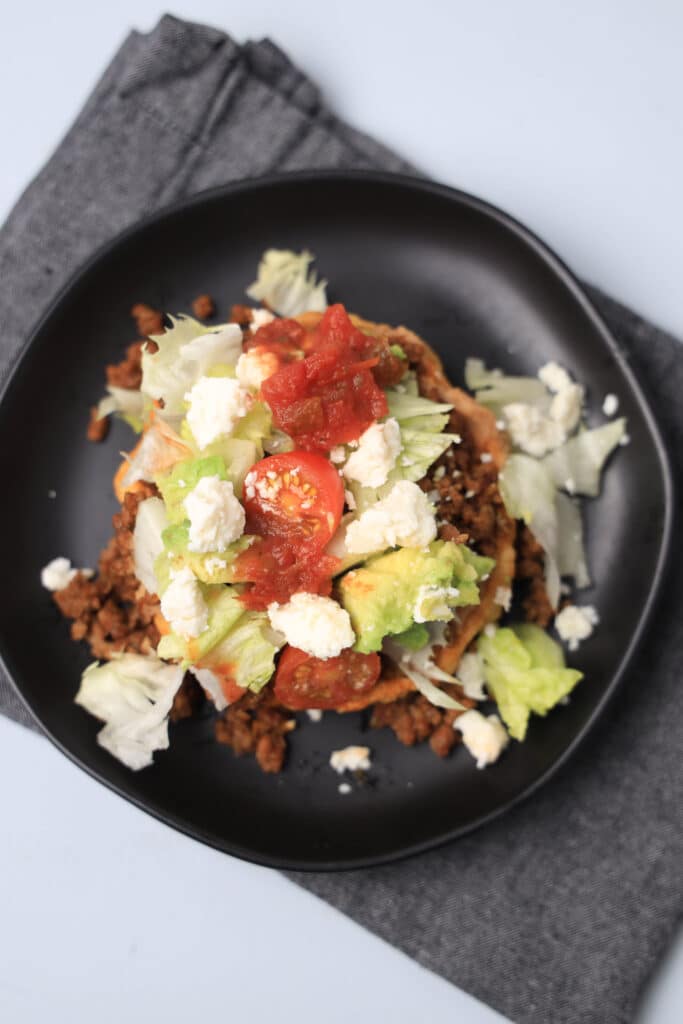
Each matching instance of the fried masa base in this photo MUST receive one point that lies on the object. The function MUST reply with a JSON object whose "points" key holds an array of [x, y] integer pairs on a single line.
{"points": [[483, 437]]}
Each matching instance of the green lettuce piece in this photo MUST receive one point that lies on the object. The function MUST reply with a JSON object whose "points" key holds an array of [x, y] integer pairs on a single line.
{"points": [[403, 405], [132, 694], [238, 457], [176, 485], [225, 609], [207, 566], [246, 655], [285, 283], [525, 672], [496, 389], [255, 426], [529, 493], [397, 350], [382, 596], [127, 403], [582, 458]]}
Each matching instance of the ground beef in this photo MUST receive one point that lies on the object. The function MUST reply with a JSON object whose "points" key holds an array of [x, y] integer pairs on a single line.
{"points": [[469, 506], [530, 571], [257, 724], [203, 307], [240, 315], [128, 372], [413, 720], [113, 612], [188, 699], [148, 320], [98, 426]]}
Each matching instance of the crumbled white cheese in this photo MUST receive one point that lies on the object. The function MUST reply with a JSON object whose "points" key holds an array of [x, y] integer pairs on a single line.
{"points": [[531, 431], [404, 518], [434, 603], [503, 597], [375, 457], [315, 714], [576, 623], [470, 674], [52, 494], [610, 404], [338, 453], [317, 625], [183, 605], [484, 737], [439, 473], [216, 516], [555, 377], [490, 630], [344, 788], [350, 759], [216, 404], [565, 407], [59, 573], [570, 485], [486, 457], [624, 440], [350, 500], [255, 366], [260, 317]]}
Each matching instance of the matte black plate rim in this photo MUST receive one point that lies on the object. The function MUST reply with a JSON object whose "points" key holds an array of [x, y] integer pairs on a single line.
{"points": [[572, 284]]}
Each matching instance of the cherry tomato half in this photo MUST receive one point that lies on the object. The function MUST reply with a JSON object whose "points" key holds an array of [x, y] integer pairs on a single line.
{"points": [[296, 496], [305, 682]]}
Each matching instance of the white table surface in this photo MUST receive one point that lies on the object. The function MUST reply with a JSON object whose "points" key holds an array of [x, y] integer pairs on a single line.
{"points": [[572, 122]]}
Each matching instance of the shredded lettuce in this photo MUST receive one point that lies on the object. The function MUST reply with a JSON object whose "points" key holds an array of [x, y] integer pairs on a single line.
{"points": [[420, 669], [186, 351], [525, 672], [157, 451], [285, 283], [225, 609], [246, 655], [132, 694], [581, 459], [128, 403], [571, 554], [404, 406], [529, 494], [150, 522]]}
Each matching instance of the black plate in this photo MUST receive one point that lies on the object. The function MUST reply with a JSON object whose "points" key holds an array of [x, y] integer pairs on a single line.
{"points": [[471, 281]]}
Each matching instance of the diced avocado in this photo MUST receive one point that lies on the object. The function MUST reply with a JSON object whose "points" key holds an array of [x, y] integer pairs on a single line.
{"points": [[383, 595]]}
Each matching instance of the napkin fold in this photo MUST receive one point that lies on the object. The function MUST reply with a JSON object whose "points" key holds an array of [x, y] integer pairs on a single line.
{"points": [[559, 910]]}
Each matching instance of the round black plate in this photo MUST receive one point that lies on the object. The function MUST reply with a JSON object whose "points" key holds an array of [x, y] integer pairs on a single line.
{"points": [[471, 281]]}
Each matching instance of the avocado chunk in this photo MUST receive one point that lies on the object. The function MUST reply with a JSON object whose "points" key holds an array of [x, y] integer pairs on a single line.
{"points": [[391, 592]]}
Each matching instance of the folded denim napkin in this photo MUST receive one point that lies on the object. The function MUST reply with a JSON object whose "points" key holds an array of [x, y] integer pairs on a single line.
{"points": [[559, 910]]}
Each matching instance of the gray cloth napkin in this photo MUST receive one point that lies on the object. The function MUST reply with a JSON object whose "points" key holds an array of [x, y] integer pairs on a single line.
{"points": [[558, 911]]}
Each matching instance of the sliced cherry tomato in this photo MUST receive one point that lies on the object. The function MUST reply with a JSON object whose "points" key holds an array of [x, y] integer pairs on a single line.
{"points": [[293, 503], [331, 396], [305, 682], [297, 496]]}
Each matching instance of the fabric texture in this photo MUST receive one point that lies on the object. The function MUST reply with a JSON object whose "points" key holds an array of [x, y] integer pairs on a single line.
{"points": [[558, 911]]}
